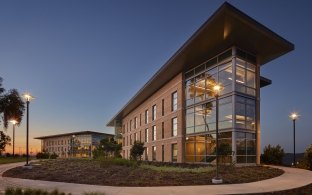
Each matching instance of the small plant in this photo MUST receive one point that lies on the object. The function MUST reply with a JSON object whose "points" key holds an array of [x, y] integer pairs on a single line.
{"points": [[43, 155], [137, 150], [307, 158], [28, 191], [53, 156], [272, 155]]}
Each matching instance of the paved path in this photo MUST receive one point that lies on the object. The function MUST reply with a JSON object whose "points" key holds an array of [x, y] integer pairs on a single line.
{"points": [[292, 178]]}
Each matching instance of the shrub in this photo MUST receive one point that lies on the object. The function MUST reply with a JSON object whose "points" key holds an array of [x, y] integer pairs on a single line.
{"points": [[308, 157], [272, 155], [28, 191], [43, 155], [53, 156], [108, 148], [137, 150]]}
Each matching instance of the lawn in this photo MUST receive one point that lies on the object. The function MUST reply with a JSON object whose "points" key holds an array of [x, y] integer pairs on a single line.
{"points": [[5, 160], [125, 173]]}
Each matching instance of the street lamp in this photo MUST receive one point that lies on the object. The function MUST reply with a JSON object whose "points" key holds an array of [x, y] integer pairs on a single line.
{"points": [[294, 116], [217, 89], [28, 98], [14, 123]]}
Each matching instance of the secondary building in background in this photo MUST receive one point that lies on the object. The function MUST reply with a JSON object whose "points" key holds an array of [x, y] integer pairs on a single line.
{"points": [[174, 114], [76, 144]]}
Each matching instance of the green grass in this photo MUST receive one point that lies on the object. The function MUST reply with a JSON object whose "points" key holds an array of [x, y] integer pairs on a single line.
{"points": [[177, 169], [6, 160]]}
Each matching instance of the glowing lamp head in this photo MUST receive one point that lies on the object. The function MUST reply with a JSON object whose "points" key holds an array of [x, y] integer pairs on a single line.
{"points": [[294, 116], [217, 89], [28, 97], [13, 121]]}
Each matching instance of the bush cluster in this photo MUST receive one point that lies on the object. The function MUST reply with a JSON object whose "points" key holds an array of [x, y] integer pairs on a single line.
{"points": [[272, 155], [46, 155]]}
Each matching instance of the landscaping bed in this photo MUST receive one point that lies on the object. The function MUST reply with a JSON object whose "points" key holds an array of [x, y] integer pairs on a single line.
{"points": [[126, 173]]}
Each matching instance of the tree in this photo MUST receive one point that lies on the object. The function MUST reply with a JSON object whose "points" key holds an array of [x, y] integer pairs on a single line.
{"points": [[107, 148], [11, 107], [4, 140], [137, 150], [272, 155], [308, 157]]}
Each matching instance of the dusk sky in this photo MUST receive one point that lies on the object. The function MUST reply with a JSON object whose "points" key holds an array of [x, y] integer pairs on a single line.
{"points": [[83, 60]]}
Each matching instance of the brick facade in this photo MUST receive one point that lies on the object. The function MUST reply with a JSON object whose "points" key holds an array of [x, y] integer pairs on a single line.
{"points": [[163, 95]]}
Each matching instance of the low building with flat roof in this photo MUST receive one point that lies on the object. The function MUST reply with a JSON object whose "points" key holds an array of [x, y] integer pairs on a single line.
{"points": [[174, 113], [75, 144]]}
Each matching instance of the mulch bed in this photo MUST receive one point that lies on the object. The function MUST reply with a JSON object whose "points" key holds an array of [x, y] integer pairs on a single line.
{"points": [[93, 172]]}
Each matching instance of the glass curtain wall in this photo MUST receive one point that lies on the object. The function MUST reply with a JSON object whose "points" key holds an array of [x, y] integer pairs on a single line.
{"points": [[237, 107]]}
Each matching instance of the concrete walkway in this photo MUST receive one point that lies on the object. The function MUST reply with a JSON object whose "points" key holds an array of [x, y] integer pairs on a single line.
{"points": [[292, 178]]}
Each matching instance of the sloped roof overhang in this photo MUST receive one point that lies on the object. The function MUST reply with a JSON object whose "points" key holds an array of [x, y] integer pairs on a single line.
{"points": [[227, 27]]}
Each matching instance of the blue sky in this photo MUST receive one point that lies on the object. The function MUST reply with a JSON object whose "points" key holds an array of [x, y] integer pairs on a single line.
{"points": [[83, 60]]}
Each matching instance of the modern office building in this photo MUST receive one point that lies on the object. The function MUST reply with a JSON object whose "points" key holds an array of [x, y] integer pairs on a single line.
{"points": [[174, 113], [76, 144]]}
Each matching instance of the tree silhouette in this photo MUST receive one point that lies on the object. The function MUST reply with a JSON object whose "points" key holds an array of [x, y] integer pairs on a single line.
{"points": [[11, 107]]}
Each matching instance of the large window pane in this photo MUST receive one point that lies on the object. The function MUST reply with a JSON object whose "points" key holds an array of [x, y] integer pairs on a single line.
{"points": [[250, 117], [190, 120], [211, 144], [251, 79], [251, 147], [225, 76], [240, 115], [190, 91], [240, 75], [200, 88], [225, 113], [240, 147], [211, 80]]}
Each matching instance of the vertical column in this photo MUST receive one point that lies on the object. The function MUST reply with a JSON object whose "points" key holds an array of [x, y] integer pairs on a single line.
{"points": [[258, 130], [183, 120], [233, 104]]}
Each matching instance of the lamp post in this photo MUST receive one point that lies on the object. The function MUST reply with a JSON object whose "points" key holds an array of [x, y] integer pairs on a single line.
{"points": [[28, 98], [217, 89], [14, 123], [294, 116]]}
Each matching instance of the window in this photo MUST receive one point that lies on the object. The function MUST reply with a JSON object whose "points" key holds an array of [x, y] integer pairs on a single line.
{"points": [[146, 135], [146, 153], [153, 153], [135, 137], [162, 107], [245, 113], [135, 122], [174, 101], [146, 116], [154, 132], [200, 88], [140, 136], [130, 125], [189, 92], [154, 112], [130, 139], [174, 126], [245, 77], [140, 119], [162, 153], [162, 130], [225, 113], [174, 152]]}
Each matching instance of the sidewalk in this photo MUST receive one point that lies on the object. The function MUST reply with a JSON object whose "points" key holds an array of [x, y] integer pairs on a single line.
{"points": [[292, 178]]}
